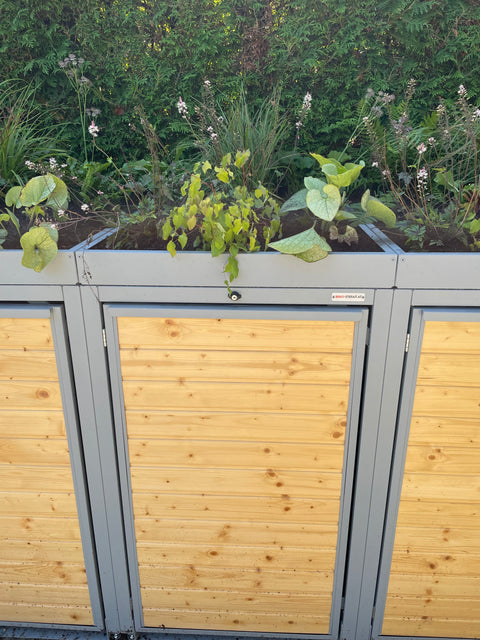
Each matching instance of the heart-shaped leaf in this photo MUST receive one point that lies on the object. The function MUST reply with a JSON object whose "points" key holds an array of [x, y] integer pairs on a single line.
{"points": [[13, 197], [301, 243], [37, 190], [324, 204], [342, 176], [39, 248], [297, 201]]}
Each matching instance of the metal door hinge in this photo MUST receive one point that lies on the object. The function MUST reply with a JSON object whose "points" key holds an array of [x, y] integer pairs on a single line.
{"points": [[104, 334], [407, 343]]}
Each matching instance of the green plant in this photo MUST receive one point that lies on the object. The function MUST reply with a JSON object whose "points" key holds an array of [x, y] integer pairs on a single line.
{"points": [[41, 193], [430, 167], [264, 131], [221, 215], [326, 200], [24, 135], [73, 68]]}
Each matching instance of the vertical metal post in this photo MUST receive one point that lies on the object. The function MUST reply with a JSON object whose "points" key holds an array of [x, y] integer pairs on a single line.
{"points": [[84, 321], [390, 317]]}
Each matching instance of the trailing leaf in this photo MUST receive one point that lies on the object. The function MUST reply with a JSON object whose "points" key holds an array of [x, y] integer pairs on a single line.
{"points": [[39, 247], [307, 245]]}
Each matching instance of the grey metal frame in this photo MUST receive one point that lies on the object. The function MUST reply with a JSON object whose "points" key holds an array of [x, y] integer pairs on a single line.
{"points": [[93, 391], [359, 315], [54, 312], [418, 319]]}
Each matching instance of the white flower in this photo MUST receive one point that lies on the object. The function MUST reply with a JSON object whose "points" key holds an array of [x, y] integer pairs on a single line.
{"points": [[462, 91], [182, 108], [29, 164], [476, 114], [422, 176], [207, 83], [374, 164], [307, 102], [84, 207], [431, 140], [93, 130], [61, 213], [421, 148]]}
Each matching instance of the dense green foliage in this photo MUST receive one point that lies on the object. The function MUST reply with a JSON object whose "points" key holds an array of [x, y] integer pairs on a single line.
{"points": [[150, 52]]}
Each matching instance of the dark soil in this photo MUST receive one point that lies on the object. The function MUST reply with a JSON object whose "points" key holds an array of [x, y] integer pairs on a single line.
{"points": [[70, 233], [450, 245], [145, 237]]}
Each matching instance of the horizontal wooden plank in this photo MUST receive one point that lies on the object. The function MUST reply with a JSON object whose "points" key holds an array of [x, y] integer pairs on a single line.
{"points": [[42, 594], [434, 563], [441, 539], [58, 572], [25, 333], [266, 397], [433, 586], [306, 536], [235, 366], [238, 508], [46, 614], [22, 394], [451, 337], [32, 424], [435, 627], [273, 623], [229, 555], [29, 528], [247, 580], [23, 451], [439, 514], [456, 402], [447, 460], [229, 601], [444, 431], [454, 369], [37, 504], [441, 487], [237, 334], [41, 551], [233, 426], [237, 482], [32, 478], [239, 455], [27, 365]]}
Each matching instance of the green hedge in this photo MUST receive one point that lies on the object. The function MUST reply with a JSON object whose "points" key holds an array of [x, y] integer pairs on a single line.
{"points": [[151, 51]]}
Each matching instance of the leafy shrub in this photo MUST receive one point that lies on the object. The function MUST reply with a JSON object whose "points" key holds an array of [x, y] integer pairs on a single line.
{"points": [[150, 52], [222, 217], [326, 200]]}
